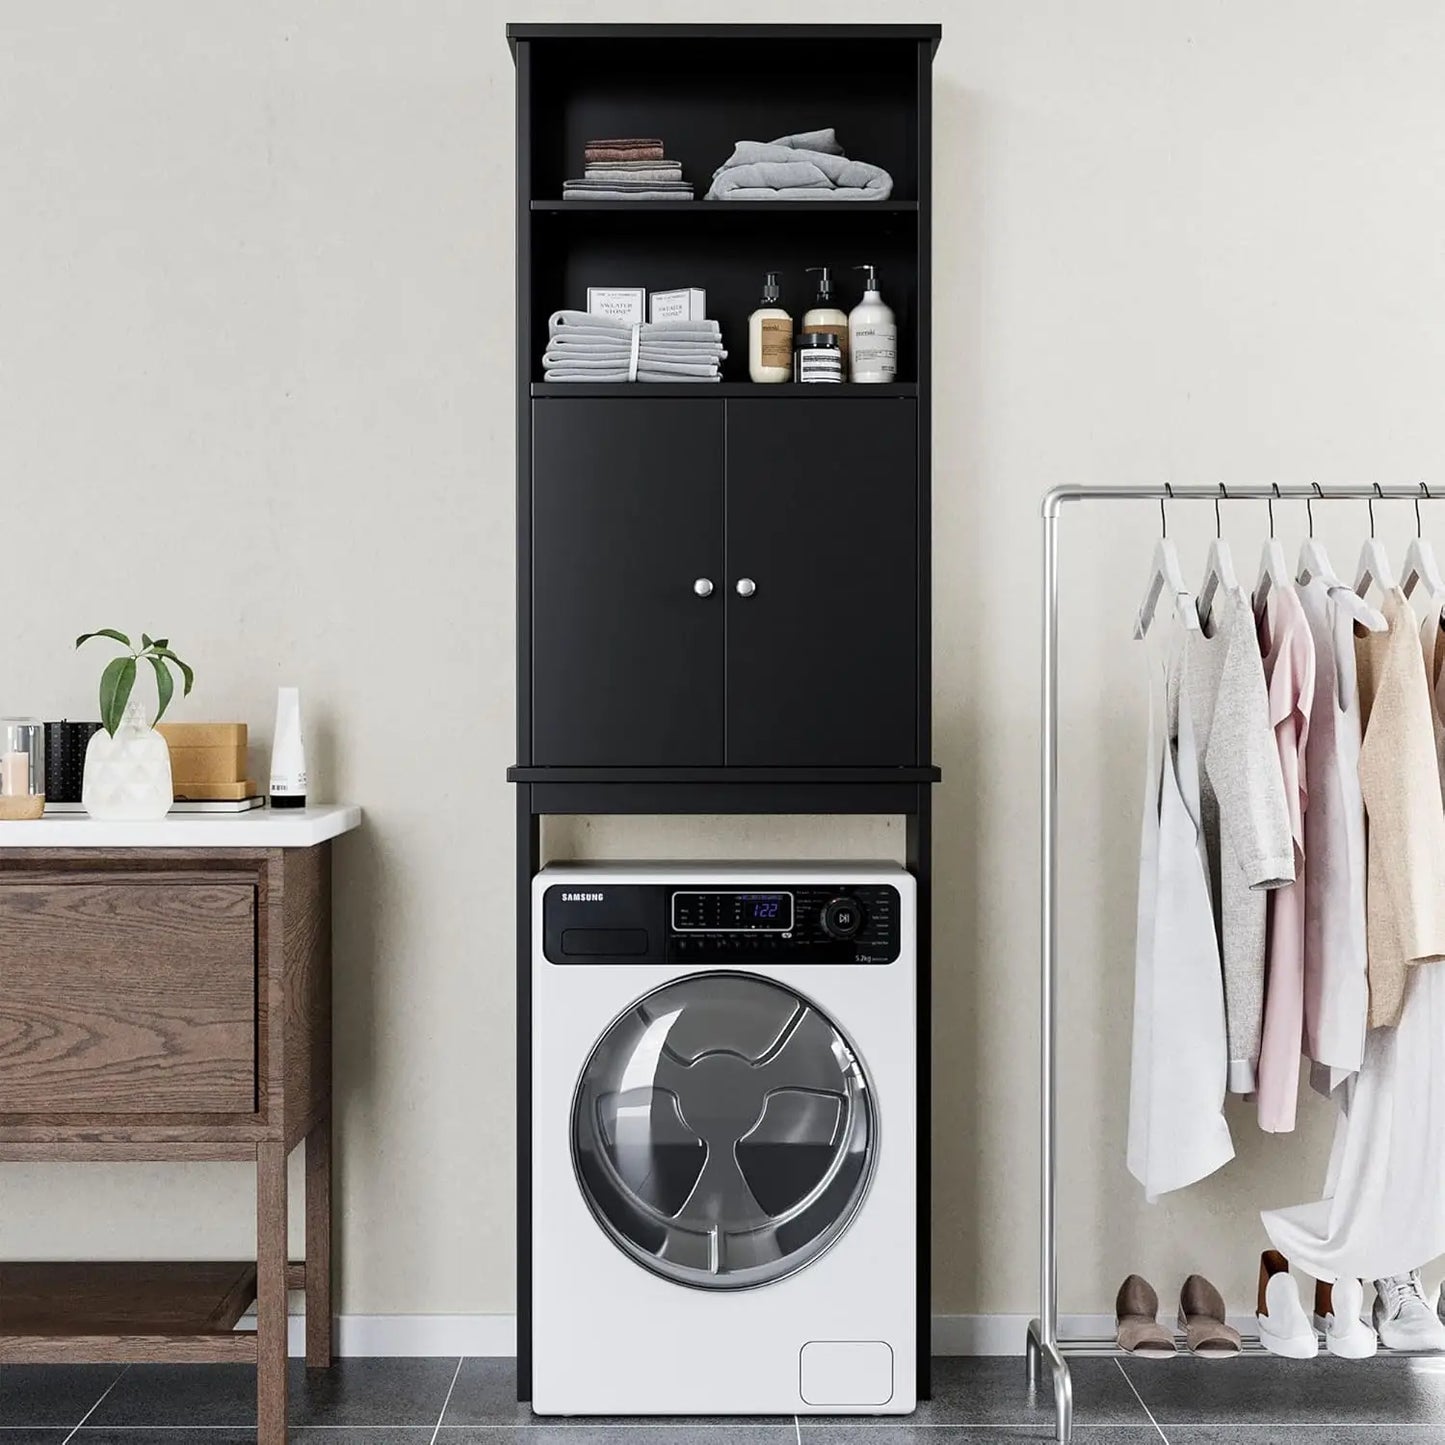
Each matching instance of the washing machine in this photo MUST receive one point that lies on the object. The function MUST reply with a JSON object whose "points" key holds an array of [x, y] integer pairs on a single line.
{"points": [[724, 1151]]}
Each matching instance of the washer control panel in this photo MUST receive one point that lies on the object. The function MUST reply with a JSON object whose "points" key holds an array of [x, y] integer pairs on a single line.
{"points": [[813, 923]]}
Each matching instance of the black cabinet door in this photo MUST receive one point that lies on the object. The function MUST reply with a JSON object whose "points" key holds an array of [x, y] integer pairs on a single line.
{"points": [[822, 524], [627, 658]]}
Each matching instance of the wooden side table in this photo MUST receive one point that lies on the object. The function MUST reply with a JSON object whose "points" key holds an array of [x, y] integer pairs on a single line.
{"points": [[165, 995]]}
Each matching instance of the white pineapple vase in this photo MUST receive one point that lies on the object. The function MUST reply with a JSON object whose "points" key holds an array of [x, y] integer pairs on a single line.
{"points": [[128, 776]]}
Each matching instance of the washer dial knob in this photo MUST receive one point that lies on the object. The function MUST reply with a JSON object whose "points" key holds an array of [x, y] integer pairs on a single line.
{"points": [[842, 918]]}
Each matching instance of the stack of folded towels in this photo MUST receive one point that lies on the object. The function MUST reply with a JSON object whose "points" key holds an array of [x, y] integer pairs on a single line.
{"points": [[629, 169], [583, 347]]}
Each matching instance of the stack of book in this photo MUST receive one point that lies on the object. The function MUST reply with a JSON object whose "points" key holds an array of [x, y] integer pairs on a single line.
{"points": [[208, 768]]}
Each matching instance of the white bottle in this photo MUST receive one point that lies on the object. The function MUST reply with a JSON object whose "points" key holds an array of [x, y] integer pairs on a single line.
{"points": [[824, 316], [872, 336], [770, 338], [288, 752]]}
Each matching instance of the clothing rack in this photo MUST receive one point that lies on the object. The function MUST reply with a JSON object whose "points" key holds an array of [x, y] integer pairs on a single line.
{"points": [[1043, 1343]]}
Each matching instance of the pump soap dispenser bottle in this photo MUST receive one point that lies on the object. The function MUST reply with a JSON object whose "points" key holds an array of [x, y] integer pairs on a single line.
{"points": [[872, 335], [770, 338], [824, 316]]}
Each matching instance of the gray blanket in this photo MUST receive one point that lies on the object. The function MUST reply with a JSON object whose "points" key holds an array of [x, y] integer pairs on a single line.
{"points": [[807, 167]]}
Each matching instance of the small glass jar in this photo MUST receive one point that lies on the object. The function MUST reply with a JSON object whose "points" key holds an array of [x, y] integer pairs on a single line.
{"points": [[22, 768], [818, 358]]}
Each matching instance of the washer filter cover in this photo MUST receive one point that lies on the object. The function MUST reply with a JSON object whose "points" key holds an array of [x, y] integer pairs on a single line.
{"points": [[723, 1131]]}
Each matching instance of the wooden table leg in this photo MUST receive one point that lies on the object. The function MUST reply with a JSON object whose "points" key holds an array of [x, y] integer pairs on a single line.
{"points": [[271, 1294], [319, 1341]]}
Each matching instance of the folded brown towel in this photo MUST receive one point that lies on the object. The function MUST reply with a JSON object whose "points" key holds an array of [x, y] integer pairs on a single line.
{"points": [[630, 151], [626, 141]]}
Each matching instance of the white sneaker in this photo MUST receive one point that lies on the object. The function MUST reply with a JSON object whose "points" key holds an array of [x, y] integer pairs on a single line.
{"points": [[1403, 1317], [1337, 1314], [1284, 1327]]}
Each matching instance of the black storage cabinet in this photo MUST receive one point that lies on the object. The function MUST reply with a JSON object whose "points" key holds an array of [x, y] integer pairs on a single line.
{"points": [[648, 517], [723, 590]]}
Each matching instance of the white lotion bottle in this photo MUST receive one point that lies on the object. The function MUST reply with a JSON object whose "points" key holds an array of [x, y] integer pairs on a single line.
{"points": [[288, 752], [770, 338], [825, 316], [872, 336]]}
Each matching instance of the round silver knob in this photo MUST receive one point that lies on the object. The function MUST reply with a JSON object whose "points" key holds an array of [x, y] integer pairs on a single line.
{"points": [[746, 586], [703, 587]]}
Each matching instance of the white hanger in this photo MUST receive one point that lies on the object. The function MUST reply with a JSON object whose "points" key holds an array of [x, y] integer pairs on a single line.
{"points": [[1420, 563], [1165, 574], [1315, 564], [1374, 569], [1218, 566], [1273, 569]]}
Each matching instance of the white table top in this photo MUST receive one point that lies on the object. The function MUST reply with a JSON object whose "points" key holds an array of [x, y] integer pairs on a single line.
{"points": [[260, 828]]}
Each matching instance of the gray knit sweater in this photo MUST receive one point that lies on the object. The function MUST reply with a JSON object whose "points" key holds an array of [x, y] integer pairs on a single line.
{"points": [[1247, 838]]}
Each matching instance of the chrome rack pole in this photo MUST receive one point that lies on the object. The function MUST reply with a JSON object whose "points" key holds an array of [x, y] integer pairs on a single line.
{"points": [[1242, 492], [1043, 1336], [1042, 1344]]}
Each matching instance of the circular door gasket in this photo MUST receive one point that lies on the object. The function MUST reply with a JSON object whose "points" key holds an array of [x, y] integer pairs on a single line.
{"points": [[724, 1131]]}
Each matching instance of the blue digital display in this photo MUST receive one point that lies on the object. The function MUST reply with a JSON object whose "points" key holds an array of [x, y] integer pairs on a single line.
{"points": [[772, 912], [732, 912]]}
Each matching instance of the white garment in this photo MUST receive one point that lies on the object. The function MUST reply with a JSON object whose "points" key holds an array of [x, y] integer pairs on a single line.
{"points": [[1384, 1205], [1177, 1130], [1337, 995]]}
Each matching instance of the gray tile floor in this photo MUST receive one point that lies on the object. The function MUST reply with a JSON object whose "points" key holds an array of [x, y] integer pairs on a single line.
{"points": [[472, 1402]]}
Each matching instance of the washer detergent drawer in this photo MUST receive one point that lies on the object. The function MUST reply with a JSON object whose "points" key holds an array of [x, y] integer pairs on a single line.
{"points": [[604, 924], [845, 1372]]}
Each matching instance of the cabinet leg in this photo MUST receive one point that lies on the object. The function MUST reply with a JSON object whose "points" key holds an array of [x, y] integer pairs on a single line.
{"points": [[319, 1341], [271, 1294]]}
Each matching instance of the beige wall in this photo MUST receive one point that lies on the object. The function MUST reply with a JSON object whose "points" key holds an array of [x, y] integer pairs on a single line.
{"points": [[255, 392]]}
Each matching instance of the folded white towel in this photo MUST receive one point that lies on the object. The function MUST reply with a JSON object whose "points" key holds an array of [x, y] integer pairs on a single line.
{"points": [[583, 347], [576, 322]]}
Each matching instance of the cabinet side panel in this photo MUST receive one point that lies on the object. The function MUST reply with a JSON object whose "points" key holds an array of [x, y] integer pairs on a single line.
{"points": [[524, 323], [306, 910]]}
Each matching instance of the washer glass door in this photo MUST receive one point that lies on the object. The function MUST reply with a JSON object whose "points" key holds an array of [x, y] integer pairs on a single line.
{"points": [[723, 1131]]}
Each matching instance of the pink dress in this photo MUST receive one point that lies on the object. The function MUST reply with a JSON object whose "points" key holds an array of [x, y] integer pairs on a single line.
{"points": [[1289, 668]]}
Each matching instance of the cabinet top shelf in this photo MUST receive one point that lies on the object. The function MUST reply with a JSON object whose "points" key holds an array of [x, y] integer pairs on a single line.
{"points": [[930, 34]]}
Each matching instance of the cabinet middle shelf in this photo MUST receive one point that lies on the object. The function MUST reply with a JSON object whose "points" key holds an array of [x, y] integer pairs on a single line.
{"points": [[725, 390], [722, 208]]}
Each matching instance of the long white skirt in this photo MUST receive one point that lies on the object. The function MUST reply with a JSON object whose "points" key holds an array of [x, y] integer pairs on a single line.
{"points": [[1384, 1207]]}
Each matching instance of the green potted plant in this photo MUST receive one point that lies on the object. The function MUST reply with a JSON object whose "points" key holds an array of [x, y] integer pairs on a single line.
{"points": [[127, 764]]}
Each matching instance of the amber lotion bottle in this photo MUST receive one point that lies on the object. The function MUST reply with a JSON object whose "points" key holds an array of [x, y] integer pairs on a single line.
{"points": [[770, 338]]}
